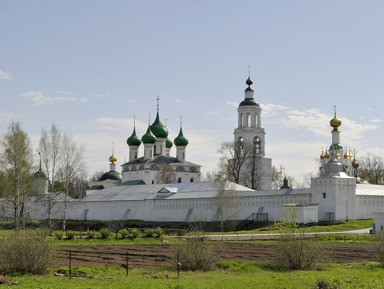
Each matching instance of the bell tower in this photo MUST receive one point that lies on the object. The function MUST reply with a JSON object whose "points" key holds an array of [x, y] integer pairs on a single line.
{"points": [[250, 136]]}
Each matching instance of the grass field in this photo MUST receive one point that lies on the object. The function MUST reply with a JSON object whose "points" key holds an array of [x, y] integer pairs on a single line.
{"points": [[228, 275]]}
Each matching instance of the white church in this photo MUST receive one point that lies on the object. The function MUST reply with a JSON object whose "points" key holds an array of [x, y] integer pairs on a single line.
{"points": [[138, 192]]}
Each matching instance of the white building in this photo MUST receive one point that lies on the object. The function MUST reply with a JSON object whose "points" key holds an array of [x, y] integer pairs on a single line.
{"points": [[333, 195]]}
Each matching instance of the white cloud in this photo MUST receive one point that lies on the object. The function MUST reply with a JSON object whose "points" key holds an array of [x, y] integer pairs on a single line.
{"points": [[270, 109], [39, 98], [234, 104], [5, 75]]}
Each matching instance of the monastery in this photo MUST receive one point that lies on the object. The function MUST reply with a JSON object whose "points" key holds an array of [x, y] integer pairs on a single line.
{"points": [[160, 187]]}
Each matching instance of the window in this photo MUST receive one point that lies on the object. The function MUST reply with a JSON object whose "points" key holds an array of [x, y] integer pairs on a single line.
{"points": [[154, 167], [179, 180], [193, 169], [324, 195], [191, 180], [180, 169], [141, 167]]}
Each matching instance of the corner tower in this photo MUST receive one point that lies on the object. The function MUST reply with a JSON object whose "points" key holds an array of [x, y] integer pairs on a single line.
{"points": [[250, 136]]}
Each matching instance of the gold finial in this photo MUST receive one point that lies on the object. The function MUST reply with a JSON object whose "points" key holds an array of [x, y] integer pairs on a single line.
{"points": [[322, 154], [112, 158], [335, 122]]}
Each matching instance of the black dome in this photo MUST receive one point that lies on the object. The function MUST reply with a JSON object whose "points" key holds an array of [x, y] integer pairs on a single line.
{"points": [[111, 175], [249, 102]]}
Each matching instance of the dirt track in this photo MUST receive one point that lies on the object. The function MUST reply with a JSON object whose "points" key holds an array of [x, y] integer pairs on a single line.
{"points": [[164, 255]]}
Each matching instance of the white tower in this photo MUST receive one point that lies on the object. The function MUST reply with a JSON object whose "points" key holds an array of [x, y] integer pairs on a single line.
{"points": [[334, 190], [250, 135]]}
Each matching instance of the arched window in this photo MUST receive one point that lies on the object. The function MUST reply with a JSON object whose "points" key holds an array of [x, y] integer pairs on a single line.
{"points": [[134, 168], [180, 169], [126, 169], [248, 120], [141, 168], [193, 169], [154, 167], [256, 144]]}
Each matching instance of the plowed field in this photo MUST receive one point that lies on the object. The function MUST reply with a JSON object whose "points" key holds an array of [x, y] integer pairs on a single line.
{"points": [[164, 255]]}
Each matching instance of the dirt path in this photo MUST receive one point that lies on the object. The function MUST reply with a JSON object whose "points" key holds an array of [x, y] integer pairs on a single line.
{"points": [[164, 255]]}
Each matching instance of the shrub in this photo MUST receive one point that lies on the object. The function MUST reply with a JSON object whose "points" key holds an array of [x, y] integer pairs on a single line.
{"points": [[158, 233], [105, 232], [295, 250], [148, 233], [134, 233], [71, 235], [26, 251], [197, 254], [123, 233], [58, 235], [91, 234], [378, 248]]}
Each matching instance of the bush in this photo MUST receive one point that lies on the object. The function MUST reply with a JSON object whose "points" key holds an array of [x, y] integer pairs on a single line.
{"points": [[158, 233], [71, 235], [197, 254], [58, 235], [26, 251], [123, 233], [134, 233], [379, 249], [295, 250], [105, 232], [148, 233], [91, 234]]}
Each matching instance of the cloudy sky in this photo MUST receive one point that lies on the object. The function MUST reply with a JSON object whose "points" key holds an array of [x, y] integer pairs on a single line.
{"points": [[90, 66]]}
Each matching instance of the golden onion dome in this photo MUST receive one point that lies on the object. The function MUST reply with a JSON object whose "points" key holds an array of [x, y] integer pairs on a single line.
{"points": [[337, 155], [326, 156], [346, 155], [112, 159], [335, 123]]}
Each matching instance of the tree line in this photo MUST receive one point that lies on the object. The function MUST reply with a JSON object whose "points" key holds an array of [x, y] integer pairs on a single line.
{"points": [[61, 160]]}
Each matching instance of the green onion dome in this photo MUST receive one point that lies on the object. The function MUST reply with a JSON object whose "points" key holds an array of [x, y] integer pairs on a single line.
{"points": [[168, 143], [133, 140], [180, 140], [158, 129], [148, 137]]}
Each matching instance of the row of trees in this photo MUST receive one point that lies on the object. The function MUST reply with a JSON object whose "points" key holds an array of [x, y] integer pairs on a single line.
{"points": [[61, 159], [241, 163]]}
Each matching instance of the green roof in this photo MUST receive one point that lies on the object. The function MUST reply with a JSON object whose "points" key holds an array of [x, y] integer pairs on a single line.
{"points": [[158, 129], [133, 140], [335, 147], [180, 140], [148, 137], [168, 143]]}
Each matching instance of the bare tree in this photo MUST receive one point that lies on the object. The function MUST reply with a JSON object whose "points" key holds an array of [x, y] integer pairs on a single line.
{"points": [[235, 156], [49, 148], [96, 176], [253, 172], [17, 163], [71, 168], [276, 178], [226, 201], [371, 169], [165, 175]]}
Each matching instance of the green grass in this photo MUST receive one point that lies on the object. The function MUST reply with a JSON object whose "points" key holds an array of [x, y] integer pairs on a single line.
{"points": [[113, 241], [344, 226], [230, 275]]}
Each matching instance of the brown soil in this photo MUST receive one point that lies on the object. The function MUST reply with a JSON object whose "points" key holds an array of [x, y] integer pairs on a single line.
{"points": [[164, 255]]}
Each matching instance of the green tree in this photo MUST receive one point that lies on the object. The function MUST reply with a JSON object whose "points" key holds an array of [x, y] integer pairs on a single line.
{"points": [[17, 164]]}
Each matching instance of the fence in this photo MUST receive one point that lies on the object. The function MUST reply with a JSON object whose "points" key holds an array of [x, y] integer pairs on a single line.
{"points": [[123, 259]]}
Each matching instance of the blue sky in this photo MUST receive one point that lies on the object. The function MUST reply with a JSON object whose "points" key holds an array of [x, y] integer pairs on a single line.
{"points": [[90, 66]]}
